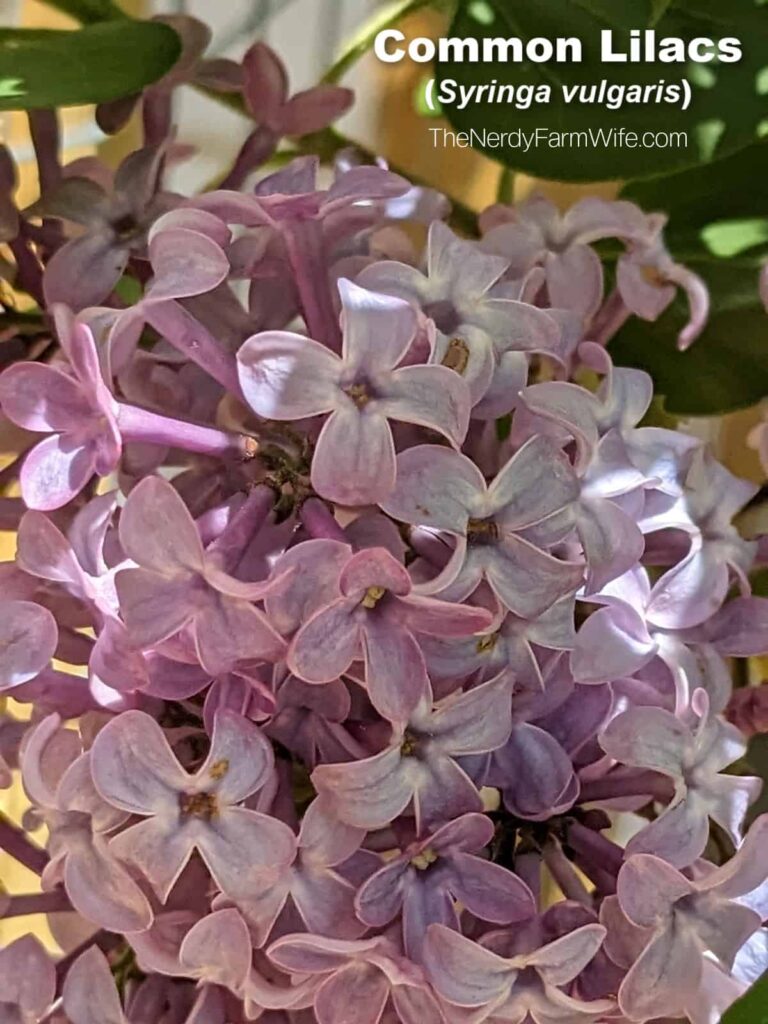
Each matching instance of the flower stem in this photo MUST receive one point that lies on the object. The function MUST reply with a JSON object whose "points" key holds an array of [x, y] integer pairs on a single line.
{"points": [[565, 875], [150, 427], [319, 521], [304, 242], [15, 843], [595, 848], [37, 903], [192, 339], [616, 785], [231, 544]]}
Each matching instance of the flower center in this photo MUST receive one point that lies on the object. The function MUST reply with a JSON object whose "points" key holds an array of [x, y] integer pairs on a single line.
{"points": [[372, 596], [456, 355], [486, 643], [652, 275], [359, 394], [444, 315], [198, 805], [126, 227], [482, 531], [219, 768], [424, 859], [410, 744]]}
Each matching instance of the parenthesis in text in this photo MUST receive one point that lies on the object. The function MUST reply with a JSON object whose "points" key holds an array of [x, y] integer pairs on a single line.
{"points": [[429, 94], [687, 91]]}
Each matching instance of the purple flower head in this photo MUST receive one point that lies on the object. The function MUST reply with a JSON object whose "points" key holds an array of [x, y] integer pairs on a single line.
{"points": [[136, 771], [421, 768], [693, 756], [535, 234], [357, 980], [75, 407], [286, 376], [84, 271], [431, 874], [684, 924], [443, 490], [178, 584], [376, 617], [481, 337], [526, 984]]}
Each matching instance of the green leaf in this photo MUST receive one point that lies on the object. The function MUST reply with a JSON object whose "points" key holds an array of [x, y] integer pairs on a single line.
{"points": [[88, 11], [752, 1008], [361, 42], [726, 367], [658, 9], [723, 189], [99, 62], [725, 114]]}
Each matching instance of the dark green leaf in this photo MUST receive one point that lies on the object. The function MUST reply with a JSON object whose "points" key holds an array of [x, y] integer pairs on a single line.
{"points": [[726, 368], [752, 1008], [88, 11], [46, 68], [725, 114], [723, 189]]}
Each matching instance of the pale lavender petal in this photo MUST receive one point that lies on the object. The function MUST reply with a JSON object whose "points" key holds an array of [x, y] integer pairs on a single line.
{"points": [[102, 890], [325, 646], [134, 767], [396, 673], [245, 850], [287, 376], [43, 398], [185, 263], [528, 580], [612, 643], [89, 992], [429, 396], [435, 487], [464, 973], [368, 793], [354, 462], [647, 738], [659, 980], [55, 471], [356, 995], [490, 891], [537, 482], [153, 608], [158, 848], [218, 950], [157, 530], [239, 760], [378, 329], [561, 961], [28, 640]]}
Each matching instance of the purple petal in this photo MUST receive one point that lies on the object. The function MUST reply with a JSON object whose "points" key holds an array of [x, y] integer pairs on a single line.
{"points": [[89, 992], [464, 973], [378, 329], [239, 761], [429, 396], [435, 487], [28, 640], [134, 767], [55, 471], [658, 982], [43, 398], [354, 462], [395, 670], [357, 995], [490, 891], [157, 531], [368, 793], [83, 272], [325, 647], [287, 376]]}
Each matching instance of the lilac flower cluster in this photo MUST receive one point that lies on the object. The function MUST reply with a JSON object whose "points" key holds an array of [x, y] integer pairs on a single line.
{"points": [[361, 608]]}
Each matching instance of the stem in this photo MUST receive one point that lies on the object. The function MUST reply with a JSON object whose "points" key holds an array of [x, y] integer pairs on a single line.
{"points": [[157, 116], [195, 341], [304, 242], [44, 129], [528, 868], [29, 275], [231, 544], [505, 191], [15, 843], [11, 511], [595, 848], [153, 428], [37, 903], [616, 785], [319, 521], [254, 152], [565, 875]]}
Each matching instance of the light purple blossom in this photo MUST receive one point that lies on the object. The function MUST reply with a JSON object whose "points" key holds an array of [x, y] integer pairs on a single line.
{"points": [[287, 376], [134, 769]]}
